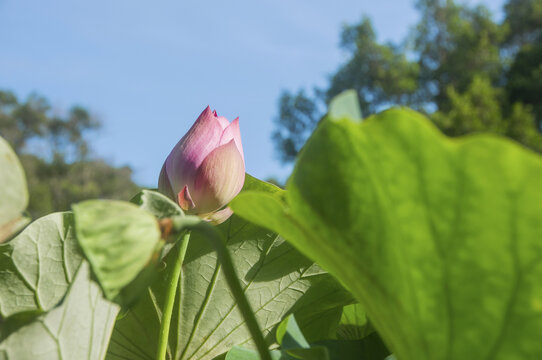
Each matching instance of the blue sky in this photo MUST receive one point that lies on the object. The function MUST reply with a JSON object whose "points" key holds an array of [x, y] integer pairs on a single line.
{"points": [[147, 69]]}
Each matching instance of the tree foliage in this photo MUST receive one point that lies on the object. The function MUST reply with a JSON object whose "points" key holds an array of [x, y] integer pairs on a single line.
{"points": [[380, 73], [458, 65], [54, 152]]}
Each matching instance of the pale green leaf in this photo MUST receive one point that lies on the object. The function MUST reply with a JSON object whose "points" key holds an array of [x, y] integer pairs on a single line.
{"points": [[293, 344], [13, 192], [345, 105], [157, 204], [38, 265], [118, 239], [289, 335], [79, 328]]}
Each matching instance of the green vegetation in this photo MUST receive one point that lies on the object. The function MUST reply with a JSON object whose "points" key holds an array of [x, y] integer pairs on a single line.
{"points": [[390, 241], [460, 67], [56, 156]]}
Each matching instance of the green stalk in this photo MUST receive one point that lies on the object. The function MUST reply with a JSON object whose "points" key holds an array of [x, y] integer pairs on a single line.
{"points": [[238, 293], [173, 281], [215, 239], [212, 235]]}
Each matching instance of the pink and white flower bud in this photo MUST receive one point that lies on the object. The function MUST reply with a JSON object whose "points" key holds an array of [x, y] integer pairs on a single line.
{"points": [[206, 169]]}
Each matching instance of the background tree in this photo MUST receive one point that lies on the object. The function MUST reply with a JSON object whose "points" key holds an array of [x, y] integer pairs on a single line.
{"points": [[55, 155], [524, 43], [467, 72]]}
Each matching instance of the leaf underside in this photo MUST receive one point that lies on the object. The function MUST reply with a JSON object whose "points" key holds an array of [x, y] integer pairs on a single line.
{"points": [[13, 192], [38, 265], [79, 328], [206, 320]]}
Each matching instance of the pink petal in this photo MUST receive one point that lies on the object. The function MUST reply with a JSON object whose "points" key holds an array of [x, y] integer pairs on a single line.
{"points": [[163, 183], [185, 200], [218, 217], [222, 120], [219, 178], [185, 158], [233, 132]]}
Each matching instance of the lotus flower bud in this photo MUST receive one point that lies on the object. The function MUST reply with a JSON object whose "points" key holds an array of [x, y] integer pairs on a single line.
{"points": [[206, 169]]}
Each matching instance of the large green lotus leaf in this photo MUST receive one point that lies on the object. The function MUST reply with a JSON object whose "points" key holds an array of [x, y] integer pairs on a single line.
{"points": [[206, 320], [79, 328], [439, 239], [13, 192], [38, 265], [118, 239]]}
